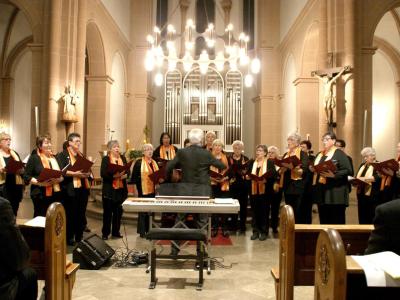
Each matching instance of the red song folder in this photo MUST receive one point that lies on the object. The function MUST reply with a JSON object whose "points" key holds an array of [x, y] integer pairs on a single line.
{"points": [[48, 174], [14, 166], [81, 164], [288, 160], [114, 168], [325, 166]]}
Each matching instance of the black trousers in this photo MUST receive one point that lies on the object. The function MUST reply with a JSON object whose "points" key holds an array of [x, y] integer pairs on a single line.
{"points": [[239, 192], [41, 203], [219, 220], [366, 209], [276, 199], [260, 205], [27, 285], [305, 211], [332, 213], [112, 213], [294, 200], [13, 193], [75, 210]]}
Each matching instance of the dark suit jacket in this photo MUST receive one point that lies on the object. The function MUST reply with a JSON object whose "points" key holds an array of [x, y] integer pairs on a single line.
{"points": [[336, 190], [108, 178], [386, 235], [14, 252], [195, 163]]}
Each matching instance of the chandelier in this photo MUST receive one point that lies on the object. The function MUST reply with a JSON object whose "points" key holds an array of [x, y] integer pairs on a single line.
{"points": [[234, 52]]}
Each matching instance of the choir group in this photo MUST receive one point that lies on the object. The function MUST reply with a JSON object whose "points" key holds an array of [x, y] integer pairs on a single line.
{"points": [[297, 176]]}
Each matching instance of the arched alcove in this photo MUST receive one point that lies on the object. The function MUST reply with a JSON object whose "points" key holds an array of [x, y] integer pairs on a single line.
{"points": [[117, 99], [289, 102]]}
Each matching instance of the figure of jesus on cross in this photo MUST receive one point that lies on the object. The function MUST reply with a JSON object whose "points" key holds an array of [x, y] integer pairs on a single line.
{"points": [[329, 78]]}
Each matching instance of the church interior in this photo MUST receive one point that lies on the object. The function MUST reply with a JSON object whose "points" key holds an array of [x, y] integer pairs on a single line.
{"points": [[256, 71]]}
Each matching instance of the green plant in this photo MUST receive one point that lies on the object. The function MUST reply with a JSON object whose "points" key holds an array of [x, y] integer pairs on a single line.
{"points": [[134, 154]]}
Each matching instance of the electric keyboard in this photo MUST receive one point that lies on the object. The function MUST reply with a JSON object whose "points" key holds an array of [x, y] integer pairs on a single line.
{"points": [[181, 205]]}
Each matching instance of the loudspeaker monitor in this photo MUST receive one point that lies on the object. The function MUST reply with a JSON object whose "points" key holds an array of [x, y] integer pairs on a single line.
{"points": [[92, 252]]}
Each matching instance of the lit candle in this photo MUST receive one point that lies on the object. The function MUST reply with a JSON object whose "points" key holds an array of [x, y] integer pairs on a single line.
{"points": [[308, 136], [37, 120], [127, 145]]}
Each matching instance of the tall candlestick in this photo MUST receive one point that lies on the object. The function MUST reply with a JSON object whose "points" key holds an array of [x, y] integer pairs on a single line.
{"points": [[308, 136], [37, 120]]}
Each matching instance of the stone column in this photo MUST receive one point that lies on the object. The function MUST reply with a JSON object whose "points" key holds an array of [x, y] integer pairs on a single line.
{"points": [[226, 6], [184, 5], [80, 66], [139, 104], [268, 129], [98, 119], [308, 108], [37, 63], [323, 34], [54, 90], [7, 84]]}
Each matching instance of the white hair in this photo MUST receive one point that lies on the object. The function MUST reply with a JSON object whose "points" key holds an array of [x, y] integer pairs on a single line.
{"points": [[111, 144], [146, 146], [295, 137], [195, 136], [239, 143], [211, 133], [367, 151], [273, 149], [218, 142]]}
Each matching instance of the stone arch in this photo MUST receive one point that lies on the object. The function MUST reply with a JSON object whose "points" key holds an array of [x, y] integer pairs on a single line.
{"points": [[95, 50], [309, 50], [98, 85], [378, 9], [33, 16]]}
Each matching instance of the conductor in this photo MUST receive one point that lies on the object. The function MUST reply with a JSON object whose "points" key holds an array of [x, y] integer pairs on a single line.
{"points": [[195, 163]]}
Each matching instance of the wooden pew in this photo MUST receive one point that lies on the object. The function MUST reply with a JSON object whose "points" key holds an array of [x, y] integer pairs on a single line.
{"points": [[330, 260], [297, 244], [48, 254], [338, 276]]}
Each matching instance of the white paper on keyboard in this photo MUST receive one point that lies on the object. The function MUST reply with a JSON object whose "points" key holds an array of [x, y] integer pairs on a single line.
{"points": [[380, 269], [37, 222], [223, 201]]}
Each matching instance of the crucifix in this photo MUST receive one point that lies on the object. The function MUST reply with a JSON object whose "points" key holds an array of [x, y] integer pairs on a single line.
{"points": [[329, 77]]}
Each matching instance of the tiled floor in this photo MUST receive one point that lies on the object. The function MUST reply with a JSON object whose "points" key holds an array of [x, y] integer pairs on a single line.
{"points": [[249, 277]]}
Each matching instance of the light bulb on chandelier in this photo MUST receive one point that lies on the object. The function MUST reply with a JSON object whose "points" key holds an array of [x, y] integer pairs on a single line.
{"points": [[234, 51]]}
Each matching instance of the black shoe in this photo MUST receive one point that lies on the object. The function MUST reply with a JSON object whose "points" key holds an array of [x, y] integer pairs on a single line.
{"points": [[118, 236], [254, 236], [104, 237], [263, 237], [87, 229], [275, 230], [225, 233]]}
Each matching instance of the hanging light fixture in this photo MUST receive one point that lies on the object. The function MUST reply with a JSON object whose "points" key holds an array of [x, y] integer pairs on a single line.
{"points": [[234, 52]]}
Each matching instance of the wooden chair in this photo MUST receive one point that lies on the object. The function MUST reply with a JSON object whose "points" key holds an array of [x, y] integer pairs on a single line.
{"points": [[330, 261], [297, 250], [48, 254]]}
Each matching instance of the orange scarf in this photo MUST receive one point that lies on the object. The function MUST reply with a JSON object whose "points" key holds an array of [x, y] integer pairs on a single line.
{"points": [[167, 153], [145, 171], [225, 183], [258, 187], [18, 178], [50, 163], [294, 174], [76, 180], [117, 182], [328, 155]]}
